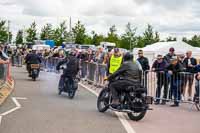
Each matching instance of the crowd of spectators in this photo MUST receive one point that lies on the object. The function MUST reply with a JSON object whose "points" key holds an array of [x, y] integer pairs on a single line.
{"points": [[175, 73]]}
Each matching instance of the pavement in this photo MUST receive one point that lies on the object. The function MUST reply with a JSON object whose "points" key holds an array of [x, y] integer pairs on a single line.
{"points": [[45, 112]]}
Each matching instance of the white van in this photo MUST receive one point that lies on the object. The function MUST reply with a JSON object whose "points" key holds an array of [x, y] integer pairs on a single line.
{"points": [[108, 46], [41, 47]]}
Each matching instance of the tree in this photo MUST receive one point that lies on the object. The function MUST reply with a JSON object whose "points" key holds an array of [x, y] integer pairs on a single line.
{"points": [[79, 33], [112, 35], [140, 42], [88, 40], [184, 39], [157, 37], [4, 32], [96, 39], [148, 36], [31, 33], [60, 34], [195, 41], [46, 32], [128, 39], [19, 37]]}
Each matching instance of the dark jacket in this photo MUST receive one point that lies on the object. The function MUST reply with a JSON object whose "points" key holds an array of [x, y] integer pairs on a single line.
{"points": [[193, 62], [160, 66], [144, 63], [33, 59], [197, 68], [176, 69], [3, 56], [128, 71], [168, 57], [72, 66]]}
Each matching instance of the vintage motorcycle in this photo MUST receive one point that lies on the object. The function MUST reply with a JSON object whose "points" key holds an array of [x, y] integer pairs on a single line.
{"points": [[133, 101]]}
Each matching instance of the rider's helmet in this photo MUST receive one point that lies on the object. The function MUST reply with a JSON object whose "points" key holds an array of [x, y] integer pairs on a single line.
{"points": [[128, 56]]}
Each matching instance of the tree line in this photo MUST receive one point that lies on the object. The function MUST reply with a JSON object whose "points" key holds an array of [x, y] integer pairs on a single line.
{"points": [[78, 35]]}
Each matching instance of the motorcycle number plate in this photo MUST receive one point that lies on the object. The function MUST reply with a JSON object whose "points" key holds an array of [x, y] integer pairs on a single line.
{"points": [[35, 66], [149, 100]]}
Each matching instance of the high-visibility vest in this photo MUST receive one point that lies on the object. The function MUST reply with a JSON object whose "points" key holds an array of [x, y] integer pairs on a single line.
{"points": [[115, 63]]}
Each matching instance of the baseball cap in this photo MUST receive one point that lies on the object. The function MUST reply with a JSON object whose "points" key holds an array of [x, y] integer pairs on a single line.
{"points": [[116, 50], [171, 49]]}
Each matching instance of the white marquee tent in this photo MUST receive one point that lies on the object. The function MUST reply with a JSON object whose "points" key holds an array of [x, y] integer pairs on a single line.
{"points": [[151, 51]]}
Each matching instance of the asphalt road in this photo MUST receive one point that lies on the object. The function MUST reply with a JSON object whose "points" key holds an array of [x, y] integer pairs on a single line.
{"points": [[46, 112]]}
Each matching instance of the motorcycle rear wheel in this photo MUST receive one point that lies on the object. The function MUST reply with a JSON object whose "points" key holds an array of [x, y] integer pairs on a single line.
{"points": [[34, 78], [137, 116]]}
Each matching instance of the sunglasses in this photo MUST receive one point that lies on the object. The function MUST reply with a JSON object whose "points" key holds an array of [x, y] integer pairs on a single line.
{"points": [[140, 53]]}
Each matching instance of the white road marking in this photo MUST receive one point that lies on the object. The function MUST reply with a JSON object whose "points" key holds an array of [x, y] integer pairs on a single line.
{"points": [[18, 106], [121, 117], [10, 111], [0, 119], [16, 102]]}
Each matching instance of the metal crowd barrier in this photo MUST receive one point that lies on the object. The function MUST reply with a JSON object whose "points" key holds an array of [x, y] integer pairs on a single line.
{"points": [[3, 73], [93, 72], [50, 63], [17, 61], [173, 87], [160, 85]]}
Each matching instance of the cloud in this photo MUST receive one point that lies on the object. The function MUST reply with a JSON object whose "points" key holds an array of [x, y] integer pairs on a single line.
{"points": [[176, 17]]}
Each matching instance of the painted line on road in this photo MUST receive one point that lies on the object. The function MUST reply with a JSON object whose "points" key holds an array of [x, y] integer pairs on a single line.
{"points": [[120, 116], [18, 106], [16, 102], [0, 119]]}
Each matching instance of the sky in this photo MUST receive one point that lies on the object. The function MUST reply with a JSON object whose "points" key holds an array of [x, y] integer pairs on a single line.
{"points": [[176, 18]]}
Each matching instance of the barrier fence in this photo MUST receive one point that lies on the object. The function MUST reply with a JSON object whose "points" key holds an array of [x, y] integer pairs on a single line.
{"points": [[17, 60], [162, 86], [93, 72], [4, 73]]}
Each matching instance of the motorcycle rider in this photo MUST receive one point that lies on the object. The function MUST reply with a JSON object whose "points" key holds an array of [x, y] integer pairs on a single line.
{"points": [[129, 75], [32, 58], [72, 68]]}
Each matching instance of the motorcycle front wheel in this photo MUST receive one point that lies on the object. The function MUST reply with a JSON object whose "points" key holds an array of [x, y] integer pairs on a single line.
{"points": [[71, 94], [102, 100]]}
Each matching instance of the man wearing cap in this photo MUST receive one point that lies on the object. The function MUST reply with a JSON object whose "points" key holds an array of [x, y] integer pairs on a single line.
{"points": [[174, 70], [115, 61], [159, 67], [169, 56]]}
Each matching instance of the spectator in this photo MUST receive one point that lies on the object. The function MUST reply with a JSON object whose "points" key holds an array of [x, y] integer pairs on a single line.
{"points": [[197, 90], [174, 70], [182, 76], [144, 62], [169, 56], [189, 63], [159, 67], [3, 60], [101, 68], [3, 57], [90, 55]]}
